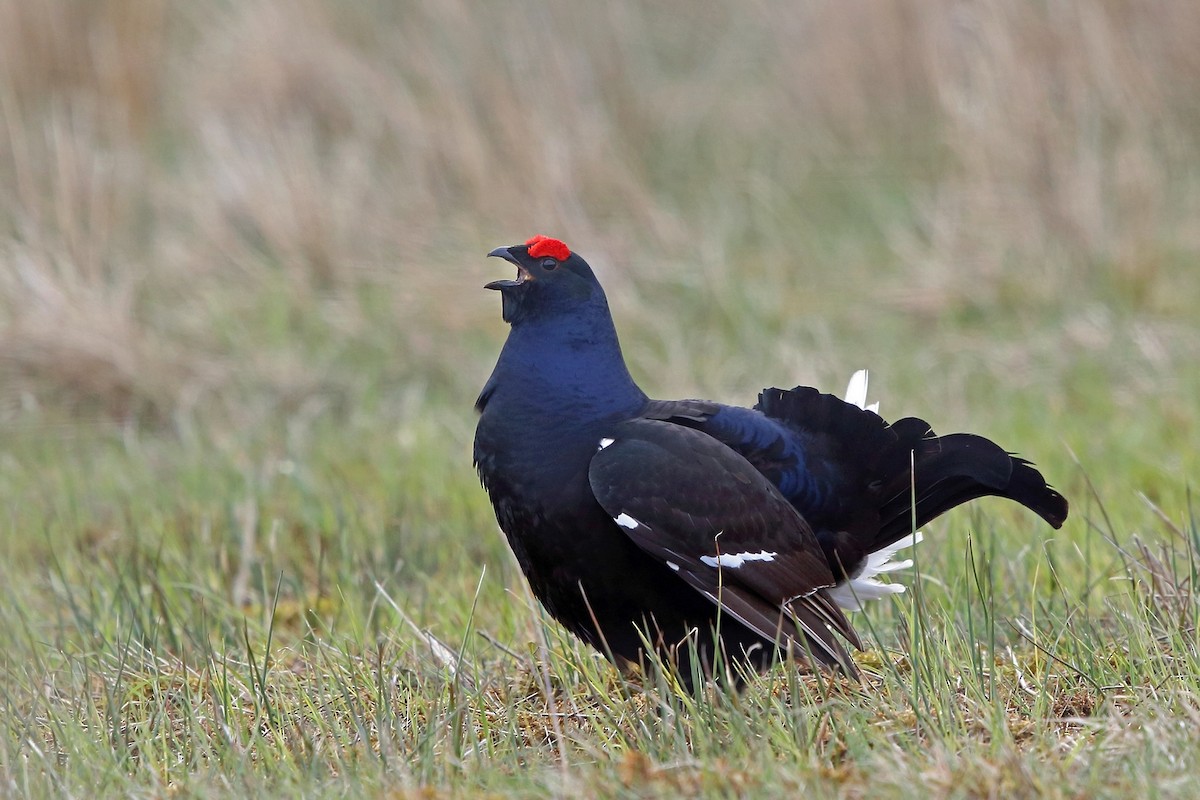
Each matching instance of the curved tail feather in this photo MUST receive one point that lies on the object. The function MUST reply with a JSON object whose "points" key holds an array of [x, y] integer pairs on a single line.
{"points": [[904, 470], [947, 471]]}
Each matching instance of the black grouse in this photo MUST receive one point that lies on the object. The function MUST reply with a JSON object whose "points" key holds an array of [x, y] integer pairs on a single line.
{"points": [[688, 524]]}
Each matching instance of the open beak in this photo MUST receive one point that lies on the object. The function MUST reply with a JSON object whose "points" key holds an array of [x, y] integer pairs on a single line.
{"points": [[507, 255]]}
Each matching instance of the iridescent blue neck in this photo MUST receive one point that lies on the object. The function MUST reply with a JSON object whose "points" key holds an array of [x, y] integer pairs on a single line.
{"points": [[570, 361]]}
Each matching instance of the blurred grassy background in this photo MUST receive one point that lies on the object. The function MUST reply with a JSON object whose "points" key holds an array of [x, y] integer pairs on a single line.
{"points": [[241, 252]]}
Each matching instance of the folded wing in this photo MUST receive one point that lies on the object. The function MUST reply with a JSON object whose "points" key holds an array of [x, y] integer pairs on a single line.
{"points": [[710, 516]]}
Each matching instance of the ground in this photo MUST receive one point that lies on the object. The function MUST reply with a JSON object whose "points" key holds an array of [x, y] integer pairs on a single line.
{"points": [[242, 326]]}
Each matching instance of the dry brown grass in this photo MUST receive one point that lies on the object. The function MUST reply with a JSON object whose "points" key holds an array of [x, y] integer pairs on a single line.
{"points": [[195, 199], [1068, 127]]}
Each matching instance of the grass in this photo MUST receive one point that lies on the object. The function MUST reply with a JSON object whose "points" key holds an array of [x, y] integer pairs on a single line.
{"points": [[242, 548]]}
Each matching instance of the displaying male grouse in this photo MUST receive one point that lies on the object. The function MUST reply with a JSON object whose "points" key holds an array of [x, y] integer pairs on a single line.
{"points": [[639, 520]]}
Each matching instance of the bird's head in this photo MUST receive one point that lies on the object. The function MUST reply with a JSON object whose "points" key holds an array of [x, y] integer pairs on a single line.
{"points": [[550, 280]]}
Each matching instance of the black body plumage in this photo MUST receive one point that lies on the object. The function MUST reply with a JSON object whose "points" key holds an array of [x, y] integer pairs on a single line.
{"points": [[641, 520]]}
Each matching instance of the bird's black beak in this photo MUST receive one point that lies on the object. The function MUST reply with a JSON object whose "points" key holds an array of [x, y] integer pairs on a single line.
{"points": [[522, 274], [511, 307], [503, 252]]}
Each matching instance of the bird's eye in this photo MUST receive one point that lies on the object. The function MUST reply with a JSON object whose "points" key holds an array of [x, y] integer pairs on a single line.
{"points": [[549, 263]]}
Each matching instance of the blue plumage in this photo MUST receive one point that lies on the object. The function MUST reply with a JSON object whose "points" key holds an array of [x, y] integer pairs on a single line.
{"points": [[810, 489]]}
